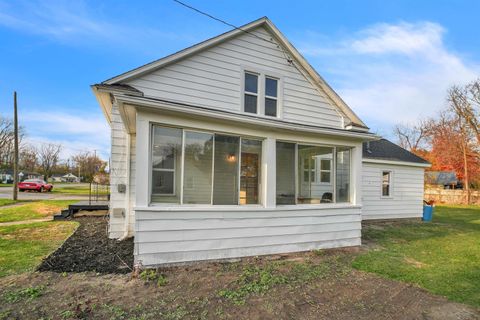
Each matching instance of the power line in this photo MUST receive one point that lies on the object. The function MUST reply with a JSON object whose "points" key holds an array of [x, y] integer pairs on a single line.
{"points": [[289, 60]]}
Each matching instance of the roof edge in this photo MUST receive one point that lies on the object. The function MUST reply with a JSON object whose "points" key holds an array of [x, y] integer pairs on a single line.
{"points": [[264, 21], [397, 162]]}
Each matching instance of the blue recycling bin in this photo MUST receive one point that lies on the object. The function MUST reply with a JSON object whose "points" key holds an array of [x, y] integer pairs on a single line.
{"points": [[427, 212]]}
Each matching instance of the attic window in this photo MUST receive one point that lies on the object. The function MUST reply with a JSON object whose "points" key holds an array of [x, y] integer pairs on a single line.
{"points": [[271, 91], [251, 92], [261, 94]]}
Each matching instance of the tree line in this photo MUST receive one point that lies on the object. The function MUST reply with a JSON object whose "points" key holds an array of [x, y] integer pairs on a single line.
{"points": [[44, 158], [450, 141]]}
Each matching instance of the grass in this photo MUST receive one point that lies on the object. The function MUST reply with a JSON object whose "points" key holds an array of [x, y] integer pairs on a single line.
{"points": [[24, 246], [33, 210], [442, 257], [260, 279], [6, 202], [83, 189]]}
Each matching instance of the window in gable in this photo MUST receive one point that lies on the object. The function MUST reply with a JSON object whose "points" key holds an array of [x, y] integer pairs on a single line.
{"points": [[251, 93], [261, 94], [271, 91]]}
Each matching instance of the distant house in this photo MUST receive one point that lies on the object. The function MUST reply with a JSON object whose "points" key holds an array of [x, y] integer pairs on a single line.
{"points": [[24, 175], [237, 147], [57, 177], [6, 175], [69, 177], [445, 179]]}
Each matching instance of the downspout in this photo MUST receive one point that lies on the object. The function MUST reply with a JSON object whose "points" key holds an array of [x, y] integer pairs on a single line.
{"points": [[127, 190]]}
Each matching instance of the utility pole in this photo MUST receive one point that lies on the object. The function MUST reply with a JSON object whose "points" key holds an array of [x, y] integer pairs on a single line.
{"points": [[15, 159]]}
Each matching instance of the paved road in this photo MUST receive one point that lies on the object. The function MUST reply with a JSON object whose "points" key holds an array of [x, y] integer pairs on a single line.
{"points": [[6, 193]]}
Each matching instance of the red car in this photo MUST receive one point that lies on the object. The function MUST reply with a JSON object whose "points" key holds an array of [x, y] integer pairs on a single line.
{"points": [[35, 184]]}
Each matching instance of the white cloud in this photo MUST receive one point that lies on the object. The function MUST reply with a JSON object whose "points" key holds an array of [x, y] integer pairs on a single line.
{"points": [[76, 133], [404, 38], [391, 73], [73, 22]]}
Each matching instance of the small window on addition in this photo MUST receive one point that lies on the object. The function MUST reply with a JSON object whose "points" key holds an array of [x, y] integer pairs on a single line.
{"points": [[251, 93], [271, 93], [386, 183]]}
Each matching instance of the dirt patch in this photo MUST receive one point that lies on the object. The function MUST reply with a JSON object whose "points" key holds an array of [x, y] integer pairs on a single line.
{"points": [[89, 249], [314, 285]]}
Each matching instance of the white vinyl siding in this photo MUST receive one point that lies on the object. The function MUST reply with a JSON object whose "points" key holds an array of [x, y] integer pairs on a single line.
{"points": [[214, 79], [118, 175], [187, 235], [406, 192]]}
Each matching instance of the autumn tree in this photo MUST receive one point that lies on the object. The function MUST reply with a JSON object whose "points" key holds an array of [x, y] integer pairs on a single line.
{"points": [[48, 157], [89, 164]]}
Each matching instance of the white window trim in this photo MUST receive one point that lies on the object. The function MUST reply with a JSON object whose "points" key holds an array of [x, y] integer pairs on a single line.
{"points": [[390, 189], [320, 170], [261, 200], [152, 169], [333, 175], [262, 75]]}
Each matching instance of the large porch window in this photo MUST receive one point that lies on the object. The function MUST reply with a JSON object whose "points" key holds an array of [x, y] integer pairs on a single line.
{"points": [[193, 167], [308, 174]]}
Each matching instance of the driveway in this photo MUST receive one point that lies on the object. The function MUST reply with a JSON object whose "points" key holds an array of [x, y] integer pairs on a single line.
{"points": [[6, 193]]}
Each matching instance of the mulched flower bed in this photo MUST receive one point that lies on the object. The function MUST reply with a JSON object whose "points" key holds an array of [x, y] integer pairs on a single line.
{"points": [[90, 249]]}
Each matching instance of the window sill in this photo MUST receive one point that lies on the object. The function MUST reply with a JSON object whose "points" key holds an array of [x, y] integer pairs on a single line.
{"points": [[202, 208]]}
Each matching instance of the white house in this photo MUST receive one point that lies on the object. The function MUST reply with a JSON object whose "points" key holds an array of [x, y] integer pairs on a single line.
{"points": [[233, 147]]}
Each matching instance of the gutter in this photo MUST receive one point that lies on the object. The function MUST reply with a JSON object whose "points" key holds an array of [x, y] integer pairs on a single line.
{"points": [[127, 190], [238, 117], [398, 163]]}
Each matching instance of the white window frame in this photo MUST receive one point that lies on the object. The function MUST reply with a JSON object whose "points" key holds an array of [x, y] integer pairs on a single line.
{"points": [[265, 77], [333, 176], [245, 92], [324, 170], [390, 184], [182, 171], [262, 75], [174, 170]]}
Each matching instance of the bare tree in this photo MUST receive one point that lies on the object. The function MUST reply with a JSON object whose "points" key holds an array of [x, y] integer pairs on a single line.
{"points": [[412, 137], [7, 141], [28, 158], [464, 101], [49, 154]]}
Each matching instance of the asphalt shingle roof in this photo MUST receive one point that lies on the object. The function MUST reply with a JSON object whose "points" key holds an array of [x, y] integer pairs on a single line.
{"points": [[385, 150]]}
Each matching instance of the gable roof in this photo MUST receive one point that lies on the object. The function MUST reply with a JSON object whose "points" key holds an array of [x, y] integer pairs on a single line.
{"points": [[303, 66], [386, 150]]}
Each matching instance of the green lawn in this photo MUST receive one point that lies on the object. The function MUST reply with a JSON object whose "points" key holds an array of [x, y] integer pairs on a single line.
{"points": [[5, 202], [24, 246], [33, 210], [442, 257], [83, 189]]}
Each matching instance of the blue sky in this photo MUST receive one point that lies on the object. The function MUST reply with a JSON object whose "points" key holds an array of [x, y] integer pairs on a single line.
{"points": [[392, 61]]}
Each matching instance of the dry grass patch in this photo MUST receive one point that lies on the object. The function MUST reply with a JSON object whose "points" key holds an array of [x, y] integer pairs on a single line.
{"points": [[33, 210]]}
